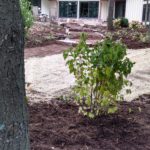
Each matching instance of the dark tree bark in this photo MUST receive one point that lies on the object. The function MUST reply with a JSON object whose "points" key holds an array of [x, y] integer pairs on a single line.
{"points": [[13, 107], [110, 15]]}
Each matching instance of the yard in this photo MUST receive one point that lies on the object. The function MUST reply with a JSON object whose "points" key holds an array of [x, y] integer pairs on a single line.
{"points": [[54, 121]]}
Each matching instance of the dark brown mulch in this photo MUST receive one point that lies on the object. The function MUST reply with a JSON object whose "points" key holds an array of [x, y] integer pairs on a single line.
{"points": [[49, 49], [131, 38], [58, 126], [46, 34], [134, 44]]}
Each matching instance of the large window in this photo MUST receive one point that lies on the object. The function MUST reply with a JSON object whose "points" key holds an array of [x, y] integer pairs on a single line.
{"points": [[68, 9], [146, 12], [89, 9], [120, 9]]}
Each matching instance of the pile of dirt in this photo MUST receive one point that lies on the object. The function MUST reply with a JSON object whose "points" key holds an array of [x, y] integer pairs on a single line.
{"points": [[132, 38], [49, 48], [57, 125], [42, 34]]}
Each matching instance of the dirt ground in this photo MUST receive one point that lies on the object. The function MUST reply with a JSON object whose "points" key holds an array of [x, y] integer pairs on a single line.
{"points": [[47, 72], [58, 126], [49, 49], [42, 34]]}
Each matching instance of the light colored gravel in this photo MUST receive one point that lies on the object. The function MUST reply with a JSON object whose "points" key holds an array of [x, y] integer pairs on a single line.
{"points": [[50, 76]]}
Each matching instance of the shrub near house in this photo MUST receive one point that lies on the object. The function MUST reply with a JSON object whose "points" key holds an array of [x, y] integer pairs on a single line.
{"points": [[26, 14], [100, 75]]}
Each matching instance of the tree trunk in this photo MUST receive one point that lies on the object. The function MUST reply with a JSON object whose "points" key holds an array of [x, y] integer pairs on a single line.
{"points": [[13, 107], [110, 15]]}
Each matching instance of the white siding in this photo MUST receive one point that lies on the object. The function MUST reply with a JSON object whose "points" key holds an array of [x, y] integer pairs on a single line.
{"points": [[104, 10], [134, 9], [53, 8], [45, 7]]}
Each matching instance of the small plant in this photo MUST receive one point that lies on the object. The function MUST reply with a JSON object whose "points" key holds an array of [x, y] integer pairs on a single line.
{"points": [[117, 23], [124, 22], [135, 25], [145, 38], [100, 74], [121, 23], [26, 14]]}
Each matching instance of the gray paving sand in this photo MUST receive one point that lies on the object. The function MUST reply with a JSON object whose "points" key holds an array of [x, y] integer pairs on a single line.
{"points": [[50, 75]]}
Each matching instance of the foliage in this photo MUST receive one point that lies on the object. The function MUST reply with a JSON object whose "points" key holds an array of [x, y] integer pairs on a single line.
{"points": [[121, 22], [145, 38], [117, 23], [124, 22], [26, 14], [135, 25], [100, 74]]}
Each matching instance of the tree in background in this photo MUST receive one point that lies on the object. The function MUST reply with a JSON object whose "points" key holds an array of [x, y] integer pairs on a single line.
{"points": [[27, 14], [13, 106], [110, 15]]}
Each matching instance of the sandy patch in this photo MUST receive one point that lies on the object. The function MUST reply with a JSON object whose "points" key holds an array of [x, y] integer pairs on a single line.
{"points": [[50, 75]]}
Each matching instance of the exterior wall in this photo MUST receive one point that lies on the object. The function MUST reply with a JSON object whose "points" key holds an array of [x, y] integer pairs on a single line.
{"points": [[104, 10], [35, 10], [53, 9], [45, 7], [134, 10]]}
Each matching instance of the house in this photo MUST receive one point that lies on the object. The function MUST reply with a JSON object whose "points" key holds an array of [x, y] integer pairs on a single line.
{"points": [[94, 9]]}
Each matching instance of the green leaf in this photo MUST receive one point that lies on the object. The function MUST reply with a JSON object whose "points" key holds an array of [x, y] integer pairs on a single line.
{"points": [[91, 115], [108, 71], [112, 110], [65, 54]]}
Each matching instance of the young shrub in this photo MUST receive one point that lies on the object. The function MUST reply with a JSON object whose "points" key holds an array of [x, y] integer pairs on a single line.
{"points": [[124, 22], [135, 25], [26, 14], [145, 38], [117, 23], [100, 74]]}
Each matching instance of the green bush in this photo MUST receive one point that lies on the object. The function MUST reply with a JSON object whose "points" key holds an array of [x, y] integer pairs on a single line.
{"points": [[26, 14], [124, 22], [100, 74], [121, 22]]}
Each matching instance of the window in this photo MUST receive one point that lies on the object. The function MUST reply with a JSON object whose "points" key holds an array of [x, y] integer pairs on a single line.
{"points": [[144, 18], [89, 9], [120, 9], [36, 2], [68, 9]]}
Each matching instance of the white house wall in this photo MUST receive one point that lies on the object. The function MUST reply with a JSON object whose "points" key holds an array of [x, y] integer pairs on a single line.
{"points": [[104, 10], [134, 10], [45, 7], [53, 8]]}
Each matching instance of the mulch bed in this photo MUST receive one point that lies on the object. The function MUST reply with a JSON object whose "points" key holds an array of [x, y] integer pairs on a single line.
{"points": [[58, 126], [42, 35], [50, 48]]}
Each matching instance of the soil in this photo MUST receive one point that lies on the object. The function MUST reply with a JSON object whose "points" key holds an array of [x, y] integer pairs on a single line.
{"points": [[45, 49], [46, 34], [58, 126], [134, 44]]}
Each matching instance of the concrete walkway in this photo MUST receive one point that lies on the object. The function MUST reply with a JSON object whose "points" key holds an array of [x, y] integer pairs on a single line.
{"points": [[50, 76]]}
